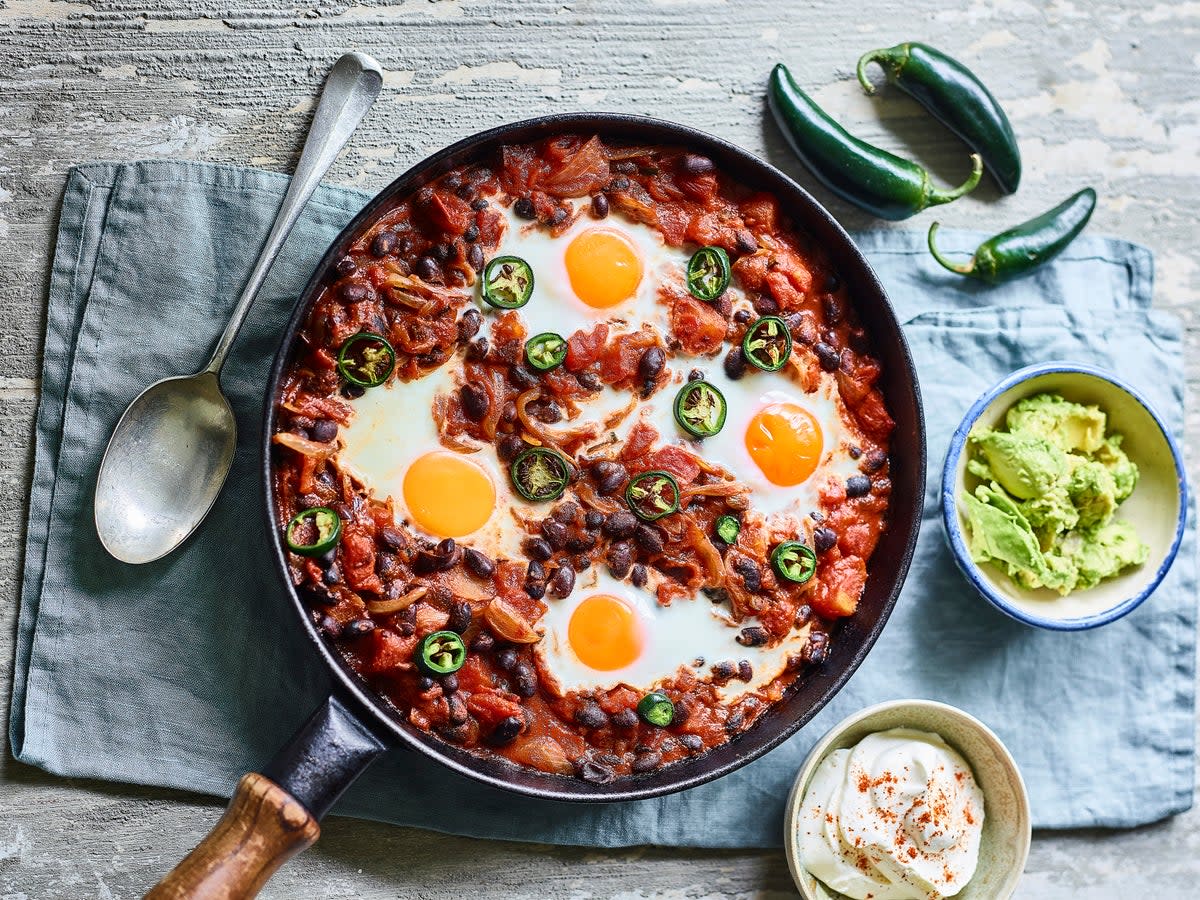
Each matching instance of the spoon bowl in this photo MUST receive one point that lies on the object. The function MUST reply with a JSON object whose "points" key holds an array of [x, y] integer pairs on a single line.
{"points": [[167, 460]]}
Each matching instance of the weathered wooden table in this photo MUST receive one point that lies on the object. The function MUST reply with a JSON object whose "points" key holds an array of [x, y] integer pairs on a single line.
{"points": [[1101, 93]]}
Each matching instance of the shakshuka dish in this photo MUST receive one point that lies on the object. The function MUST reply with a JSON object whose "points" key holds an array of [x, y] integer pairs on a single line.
{"points": [[581, 456]]}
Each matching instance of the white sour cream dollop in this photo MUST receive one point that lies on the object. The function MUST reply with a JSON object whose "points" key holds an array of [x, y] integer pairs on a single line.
{"points": [[896, 817]]}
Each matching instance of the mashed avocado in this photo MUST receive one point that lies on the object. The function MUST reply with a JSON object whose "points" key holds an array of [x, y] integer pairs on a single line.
{"points": [[1050, 485]]}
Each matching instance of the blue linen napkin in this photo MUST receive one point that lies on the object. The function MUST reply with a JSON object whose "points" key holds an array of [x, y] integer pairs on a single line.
{"points": [[190, 671]]}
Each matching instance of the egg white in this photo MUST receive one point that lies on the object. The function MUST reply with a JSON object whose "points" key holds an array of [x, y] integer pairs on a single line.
{"points": [[674, 637]]}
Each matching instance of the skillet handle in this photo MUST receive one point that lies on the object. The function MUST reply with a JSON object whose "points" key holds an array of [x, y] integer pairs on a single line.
{"points": [[262, 828], [274, 816]]}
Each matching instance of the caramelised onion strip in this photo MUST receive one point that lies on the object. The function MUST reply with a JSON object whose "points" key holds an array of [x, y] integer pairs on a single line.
{"points": [[401, 603], [544, 436], [413, 289], [717, 489], [587, 495], [495, 388], [710, 559], [464, 587], [304, 446], [440, 410]]}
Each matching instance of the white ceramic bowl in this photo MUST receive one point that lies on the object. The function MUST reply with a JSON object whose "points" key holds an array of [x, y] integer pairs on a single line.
{"points": [[1157, 508], [1006, 825]]}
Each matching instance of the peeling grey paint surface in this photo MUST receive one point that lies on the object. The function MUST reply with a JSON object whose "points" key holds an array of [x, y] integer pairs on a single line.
{"points": [[1100, 93]]}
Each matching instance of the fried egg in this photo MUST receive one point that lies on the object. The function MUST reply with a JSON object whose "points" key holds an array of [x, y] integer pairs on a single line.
{"points": [[609, 633]]}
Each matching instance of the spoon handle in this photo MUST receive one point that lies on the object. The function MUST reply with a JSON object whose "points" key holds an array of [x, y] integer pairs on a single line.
{"points": [[352, 86]]}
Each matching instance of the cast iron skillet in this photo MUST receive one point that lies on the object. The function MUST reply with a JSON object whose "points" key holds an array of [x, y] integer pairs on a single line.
{"points": [[275, 814]]}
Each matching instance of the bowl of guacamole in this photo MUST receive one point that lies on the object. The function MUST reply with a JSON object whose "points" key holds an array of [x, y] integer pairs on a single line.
{"points": [[1064, 497]]}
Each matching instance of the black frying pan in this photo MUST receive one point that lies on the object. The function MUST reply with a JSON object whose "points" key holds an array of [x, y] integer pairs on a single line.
{"points": [[274, 816]]}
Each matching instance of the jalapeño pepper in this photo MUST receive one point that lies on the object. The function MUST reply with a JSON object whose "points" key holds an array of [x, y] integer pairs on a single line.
{"points": [[366, 359], [700, 409], [794, 561], [708, 273], [653, 495], [880, 182], [314, 532], [507, 282], [540, 474], [953, 95], [728, 528], [767, 344], [441, 653], [1028, 245], [546, 351], [656, 708]]}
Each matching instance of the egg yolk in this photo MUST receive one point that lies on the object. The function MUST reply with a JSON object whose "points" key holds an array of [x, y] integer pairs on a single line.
{"points": [[603, 266], [447, 495], [785, 442], [604, 633]]}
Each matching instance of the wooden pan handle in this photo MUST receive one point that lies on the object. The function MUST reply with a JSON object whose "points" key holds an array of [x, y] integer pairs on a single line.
{"points": [[262, 828]]}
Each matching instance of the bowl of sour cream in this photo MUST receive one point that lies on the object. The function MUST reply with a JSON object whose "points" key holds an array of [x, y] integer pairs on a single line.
{"points": [[908, 800]]}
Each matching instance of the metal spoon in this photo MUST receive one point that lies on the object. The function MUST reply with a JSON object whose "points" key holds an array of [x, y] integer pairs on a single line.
{"points": [[172, 449]]}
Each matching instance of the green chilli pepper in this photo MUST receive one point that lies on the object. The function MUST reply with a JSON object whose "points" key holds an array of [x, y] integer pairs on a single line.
{"points": [[1028, 245], [880, 182], [507, 282], [767, 344], [366, 359], [656, 708], [794, 561], [700, 409], [545, 351], [314, 532], [953, 95], [728, 528], [540, 474], [653, 495], [708, 273], [441, 653]]}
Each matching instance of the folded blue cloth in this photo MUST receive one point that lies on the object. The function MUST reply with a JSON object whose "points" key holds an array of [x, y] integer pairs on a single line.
{"points": [[190, 671]]}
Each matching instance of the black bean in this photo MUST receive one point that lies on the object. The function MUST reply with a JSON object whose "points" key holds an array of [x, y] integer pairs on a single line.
{"points": [[547, 411], [478, 564], [469, 324], [590, 715], [508, 413], [829, 358], [652, 363], [524, 680], [745, 242], [483, 643], [478, 349], [524, 208], [753, 636], [750, 573], [537, 549], [593, 519], [475, 257], [301, 433], [346, 266], [425, 684], [873, 461], [766, 305], [734, 723], [599, 206], [442, 251], [507, 659], [563, 582], [626, 718], [609, 476], [745, 670], [620, 559], [683, 712], [638, 575], [692, 742], [330, 626], [442, 557], [387, 565], [427, 269], [358, 627], [735, 364], [449, 684], [622, 167], [596, 773], [833, 309], [479, 204], [308, 501], [557, 217], [352, 292], [324, 430], [353, 391], [392, 539], [620, 525], [535, 571], [581, 563], [589, 381], [508, 446], [648, 538], [817, 649], [535, 589], [475, 400], [742, 316], [522, 378], [316, 595], [724, 670], [824, 539], [855, 451], [471, 234], [456, 709], [332, 575], [460, 616], [858, 486], [506, 731], [646, 762], [384, 243], [580, 543], [803, 615], [695, 164]]}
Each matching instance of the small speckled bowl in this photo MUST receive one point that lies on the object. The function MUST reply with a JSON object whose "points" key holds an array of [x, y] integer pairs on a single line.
{"points": [[1006, 827], [1157, 508]]}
